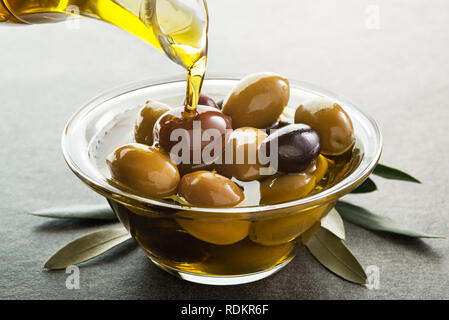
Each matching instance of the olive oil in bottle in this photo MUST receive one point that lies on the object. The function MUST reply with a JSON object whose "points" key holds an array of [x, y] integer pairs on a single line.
{"points": [[177, 27]]}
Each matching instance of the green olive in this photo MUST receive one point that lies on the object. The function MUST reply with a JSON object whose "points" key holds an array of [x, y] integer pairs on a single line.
{"points": [[145, 170], [318, 168], [245, 144], [257, 100], [330, 121], [285, 187], [248, 257], [216, 229], [148, 115], [209, 189], [275, 231]]}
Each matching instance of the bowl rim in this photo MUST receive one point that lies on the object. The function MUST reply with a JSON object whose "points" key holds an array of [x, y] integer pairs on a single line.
{"points": [[341, 188]]}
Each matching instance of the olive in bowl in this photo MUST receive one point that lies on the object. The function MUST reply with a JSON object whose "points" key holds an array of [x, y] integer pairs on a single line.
{"points": [[295, 146], [331, 122], [257, 100], [181, 135], [146, 119], [144, 169]]}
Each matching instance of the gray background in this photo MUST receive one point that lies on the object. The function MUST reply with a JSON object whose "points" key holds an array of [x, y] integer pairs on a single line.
{"points": [[398, 73]]}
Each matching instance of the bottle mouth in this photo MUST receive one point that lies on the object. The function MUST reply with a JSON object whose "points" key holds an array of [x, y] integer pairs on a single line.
{"points": [[181, 28], [83, 128]]}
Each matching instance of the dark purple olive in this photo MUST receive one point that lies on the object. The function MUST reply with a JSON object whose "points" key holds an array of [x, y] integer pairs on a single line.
{"points": [[220, 103], [297, 146], [277, 125]]}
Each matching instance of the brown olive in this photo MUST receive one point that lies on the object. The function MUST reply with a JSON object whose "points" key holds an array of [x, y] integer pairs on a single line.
{"points": [[330, 121], [209, 189], [244, 164], [185, 137], [257, 100], [205, 100], [143, 169], [148, 115], [285, 187]]}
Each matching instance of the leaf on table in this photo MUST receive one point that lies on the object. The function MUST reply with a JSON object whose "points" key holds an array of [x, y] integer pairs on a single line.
{"points": [[367, 186], [334, 223], [87, 247], [332, 253], [80, 211], [366, 219], [395, 174]]}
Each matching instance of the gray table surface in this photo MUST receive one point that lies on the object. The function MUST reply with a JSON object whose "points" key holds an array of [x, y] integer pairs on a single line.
{"points": [[398, 73]]}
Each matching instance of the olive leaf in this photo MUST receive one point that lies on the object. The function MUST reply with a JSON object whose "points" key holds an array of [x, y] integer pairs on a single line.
{"points": [[334, 223], [332, 253], [79, 211], [368, 220], [87, 247], [395, 174], [367, 186]]}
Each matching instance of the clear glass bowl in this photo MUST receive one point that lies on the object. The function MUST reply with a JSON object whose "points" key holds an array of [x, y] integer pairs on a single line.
{"points": [[206, 245]]}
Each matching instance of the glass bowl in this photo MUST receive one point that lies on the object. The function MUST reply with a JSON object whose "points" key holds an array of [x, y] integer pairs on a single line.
{"points": [[207, 245]]}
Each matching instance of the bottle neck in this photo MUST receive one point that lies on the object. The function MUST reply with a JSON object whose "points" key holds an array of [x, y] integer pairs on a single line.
{"points": [[5, 15], [37, 11]]}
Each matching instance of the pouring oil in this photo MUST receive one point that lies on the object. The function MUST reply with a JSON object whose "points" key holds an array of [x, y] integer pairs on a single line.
{"points": [[177, 27]]}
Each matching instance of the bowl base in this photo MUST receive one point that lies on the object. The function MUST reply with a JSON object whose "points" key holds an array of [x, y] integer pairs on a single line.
{"points": [[221, 280]]}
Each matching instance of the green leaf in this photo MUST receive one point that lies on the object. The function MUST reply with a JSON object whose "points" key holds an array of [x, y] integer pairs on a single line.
{"points": [[80, 211], [87, 247], [332, 253], [334, 223], [368, 220], [367, 186], [392, 173]]}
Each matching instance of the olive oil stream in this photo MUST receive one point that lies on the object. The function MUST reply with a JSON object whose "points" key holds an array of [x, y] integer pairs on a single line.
{"points": [[177, 27]]}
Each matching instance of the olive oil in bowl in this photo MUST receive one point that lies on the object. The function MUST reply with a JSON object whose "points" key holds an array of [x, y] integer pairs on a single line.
{"points": [[209, 244]]}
